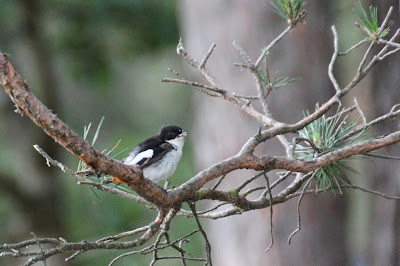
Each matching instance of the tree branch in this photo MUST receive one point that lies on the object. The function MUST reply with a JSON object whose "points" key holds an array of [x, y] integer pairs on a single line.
{"points": [[29, 105]]}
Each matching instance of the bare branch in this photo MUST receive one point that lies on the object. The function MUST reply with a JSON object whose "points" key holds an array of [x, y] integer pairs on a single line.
{"points": [[281, 178], [219, 182], [124, 234], [151, 248], [311, 143], [272, 44], [298, 210], [194, 84], [385, 21], [333, 60], [364, 119], [245, 96], [369, 191], [30, 262], [383, 156], [83, 181], [207, 243], [271, 212], [205, 59], [169, 203], [380, 58], [62, 246], [248, 181], [245, 56], [23, 97], [390, 43], [377, 120], [353, 47], [364, 59], [224, 93]]}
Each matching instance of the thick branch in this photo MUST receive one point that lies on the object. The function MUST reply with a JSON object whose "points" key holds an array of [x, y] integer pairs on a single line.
{"points": [[32, 107]]}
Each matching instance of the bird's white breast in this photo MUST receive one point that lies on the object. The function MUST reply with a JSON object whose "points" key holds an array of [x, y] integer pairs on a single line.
{"points": [[165, 167]]}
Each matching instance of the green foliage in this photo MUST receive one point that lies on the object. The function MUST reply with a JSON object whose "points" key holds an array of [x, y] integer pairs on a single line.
{"points": [[370, 22], [276, 81], [289, 9], [330, 134]]}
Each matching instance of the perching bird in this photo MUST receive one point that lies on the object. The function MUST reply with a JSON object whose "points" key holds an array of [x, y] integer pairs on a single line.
{"points": [[158, 156]]}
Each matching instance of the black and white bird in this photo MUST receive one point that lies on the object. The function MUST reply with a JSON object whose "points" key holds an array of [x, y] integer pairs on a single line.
{"points": [[158, 156]]}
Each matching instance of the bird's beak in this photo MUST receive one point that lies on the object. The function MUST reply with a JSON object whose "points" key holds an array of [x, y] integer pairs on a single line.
{"points": [[183, 134]]}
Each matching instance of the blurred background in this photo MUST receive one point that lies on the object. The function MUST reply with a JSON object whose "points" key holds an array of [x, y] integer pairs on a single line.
{"points": [[89, 59]]}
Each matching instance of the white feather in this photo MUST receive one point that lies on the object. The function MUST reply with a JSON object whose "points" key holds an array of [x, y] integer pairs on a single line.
{"points": [[144, 154]]}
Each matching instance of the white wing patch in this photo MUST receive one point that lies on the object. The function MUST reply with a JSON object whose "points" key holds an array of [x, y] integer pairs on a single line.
{"points": [[144, 154]]}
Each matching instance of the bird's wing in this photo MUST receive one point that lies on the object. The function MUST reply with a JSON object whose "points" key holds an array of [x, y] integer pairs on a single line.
{"points": [[148, 144], [157, 154]]}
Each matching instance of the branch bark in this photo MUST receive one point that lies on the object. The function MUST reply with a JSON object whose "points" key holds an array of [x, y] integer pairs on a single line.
{"points": [[28, 104]]}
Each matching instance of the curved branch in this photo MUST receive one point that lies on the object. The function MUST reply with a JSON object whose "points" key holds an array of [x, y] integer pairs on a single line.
{"points": [[62, 246], [28, 104]]}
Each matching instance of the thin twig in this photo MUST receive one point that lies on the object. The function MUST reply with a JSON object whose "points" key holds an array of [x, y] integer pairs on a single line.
{"points": [[333, 60], [382, 156], [175, 72], [73, 256], [191, 83], [364, 59], [353, 47], [207, 243], [281, 178], [180, 50], [205, 59], [390, 43], [51, 161], [297, 140], [388, 54], [155, 249], [394, 107], [376, 58], [182, 254], [272, 44], [298, 210], [374, 192], [245, 56], [116, 190], [41, 248], [213, 208], [245, 96], [270, 214], [364, 119], [124, 234], [377, 120], [252, 190], [371, 35], [83, 181], [219, 182], [178, 257], [344, 111], [248, 181], [369, 191], [385, 21]]}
